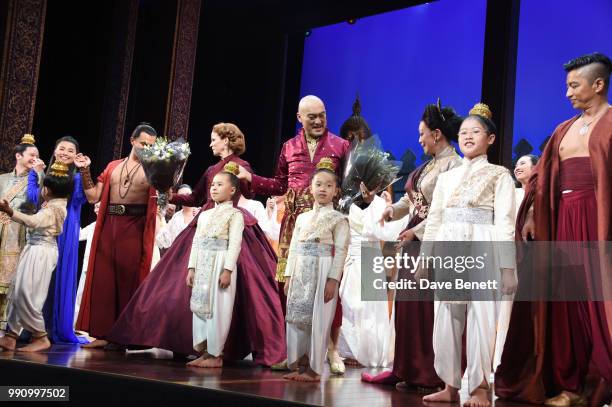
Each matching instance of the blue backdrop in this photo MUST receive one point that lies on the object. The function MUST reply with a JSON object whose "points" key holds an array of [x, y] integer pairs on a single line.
{"points": [[551, 32], [402, 60], [398, 62]]}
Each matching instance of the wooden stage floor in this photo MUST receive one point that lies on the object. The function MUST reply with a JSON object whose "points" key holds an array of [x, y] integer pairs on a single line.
{"points": [[154, 374]]}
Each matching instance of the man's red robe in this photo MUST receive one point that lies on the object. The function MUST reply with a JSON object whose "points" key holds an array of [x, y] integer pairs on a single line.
{"points": [[84, 321]]}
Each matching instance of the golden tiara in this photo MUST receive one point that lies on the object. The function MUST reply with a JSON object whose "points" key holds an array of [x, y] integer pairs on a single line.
{"points": [[480, 109], [232, 168], [326, 163], [59, 169], [28, 139]]}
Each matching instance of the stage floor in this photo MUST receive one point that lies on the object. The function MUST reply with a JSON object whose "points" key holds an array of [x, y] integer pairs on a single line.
{"points": [[243, 378]]}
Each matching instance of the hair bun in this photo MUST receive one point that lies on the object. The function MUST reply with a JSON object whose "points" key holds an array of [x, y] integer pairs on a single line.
{"points": [[232, 168], [326, 163], [28, 139], [481, 109]]}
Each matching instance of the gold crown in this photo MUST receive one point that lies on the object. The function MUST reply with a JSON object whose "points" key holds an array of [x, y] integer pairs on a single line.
{"points": [[480, 109], [326, 163], [59, 169], [28, 139], [232, 168]]}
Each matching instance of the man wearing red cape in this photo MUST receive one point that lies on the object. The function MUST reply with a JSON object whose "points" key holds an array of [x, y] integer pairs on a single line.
{"points": [[159, 314], [296, 165], [568, 199], [122, 245]]}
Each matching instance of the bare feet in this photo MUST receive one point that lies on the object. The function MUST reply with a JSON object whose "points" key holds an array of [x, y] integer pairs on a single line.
{"points": [[308, 376], [198, 362], [292, 375], [7, 343], [37, 345], [448, 395], [207, 361], [98, 343], [479, 398]]}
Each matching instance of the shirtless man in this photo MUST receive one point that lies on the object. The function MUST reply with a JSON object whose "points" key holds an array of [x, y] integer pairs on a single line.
{"points": [[122, 245]]}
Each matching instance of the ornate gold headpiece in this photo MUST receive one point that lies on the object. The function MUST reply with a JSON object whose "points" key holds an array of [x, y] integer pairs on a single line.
{"points": [[59, 169], [480, 109], [326, 163], [28, 139], [232, 168]]}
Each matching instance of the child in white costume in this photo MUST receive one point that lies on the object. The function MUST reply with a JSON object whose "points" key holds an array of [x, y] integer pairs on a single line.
{"points": [[473, 202], [212, 269], [314, 269], [37, 261]]}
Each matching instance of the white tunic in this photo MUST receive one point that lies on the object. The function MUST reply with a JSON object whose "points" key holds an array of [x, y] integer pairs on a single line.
{"points": [[86, 234], [35, 268], [215, 248], [317, 253], [166, 235], [473, 202], [367, 333]]}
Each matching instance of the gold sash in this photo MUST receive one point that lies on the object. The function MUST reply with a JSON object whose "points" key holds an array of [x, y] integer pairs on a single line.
{"points": [[10, 195]]}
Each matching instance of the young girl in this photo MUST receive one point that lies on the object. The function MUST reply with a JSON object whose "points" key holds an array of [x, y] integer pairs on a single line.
{"points": [[212, 269], [473, 202], [314, 268], [37, 261]]}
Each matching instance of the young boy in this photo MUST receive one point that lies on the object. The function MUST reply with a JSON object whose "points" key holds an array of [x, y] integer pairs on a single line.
{"points": [[37, 261]]}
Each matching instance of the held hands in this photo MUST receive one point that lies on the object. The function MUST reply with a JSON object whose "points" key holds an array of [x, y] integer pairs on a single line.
{"points": [[330, 289], [387, 215], [82, 161], [190, 278], [225, 279], [509, 282], [244, 174]]}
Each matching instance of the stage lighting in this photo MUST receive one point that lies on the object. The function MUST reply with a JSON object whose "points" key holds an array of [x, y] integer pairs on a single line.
{"points": [[352, 21], [307, 33]]}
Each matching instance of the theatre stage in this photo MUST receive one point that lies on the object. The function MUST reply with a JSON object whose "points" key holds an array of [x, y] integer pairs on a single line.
{"points": [[153, 376]]}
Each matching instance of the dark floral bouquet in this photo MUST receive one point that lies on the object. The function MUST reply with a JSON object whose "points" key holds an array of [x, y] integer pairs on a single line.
{"points": [[163, 164], [366, 163]]}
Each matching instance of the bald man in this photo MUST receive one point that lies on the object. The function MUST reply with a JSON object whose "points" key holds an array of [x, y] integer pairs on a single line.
{"points": [[296, 165]]}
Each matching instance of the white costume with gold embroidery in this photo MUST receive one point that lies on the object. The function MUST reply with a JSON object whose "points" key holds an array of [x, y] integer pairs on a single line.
{"points": [[317, 252], [473, 202], [35, 267], [216, 246]]}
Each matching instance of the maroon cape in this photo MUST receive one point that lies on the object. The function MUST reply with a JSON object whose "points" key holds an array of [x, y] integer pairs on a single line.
{"points": [[148, 240], [528, 378], [159, 315]]}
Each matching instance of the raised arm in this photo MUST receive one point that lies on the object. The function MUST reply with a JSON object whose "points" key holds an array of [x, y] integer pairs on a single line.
{"points": [[92, 190]]}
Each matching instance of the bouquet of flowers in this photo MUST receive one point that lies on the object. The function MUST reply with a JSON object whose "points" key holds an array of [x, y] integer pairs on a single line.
{"points": [[163, 164], [366, 163]]}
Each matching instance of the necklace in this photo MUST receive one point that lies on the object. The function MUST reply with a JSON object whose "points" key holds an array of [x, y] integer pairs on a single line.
{"points": [[129, 178], [585, 127]]}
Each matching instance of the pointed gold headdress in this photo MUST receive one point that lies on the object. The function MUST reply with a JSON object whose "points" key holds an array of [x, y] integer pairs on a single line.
{"points": [[480, 109], [28, 139], [232, 168], [59, 169], [326, 163]]}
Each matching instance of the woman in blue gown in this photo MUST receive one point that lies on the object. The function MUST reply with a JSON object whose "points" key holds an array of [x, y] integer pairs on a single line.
{"points": [[59, 307]]}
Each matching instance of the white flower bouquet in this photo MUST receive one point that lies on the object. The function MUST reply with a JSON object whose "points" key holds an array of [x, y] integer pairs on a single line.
{"points": [[163, 164]]}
